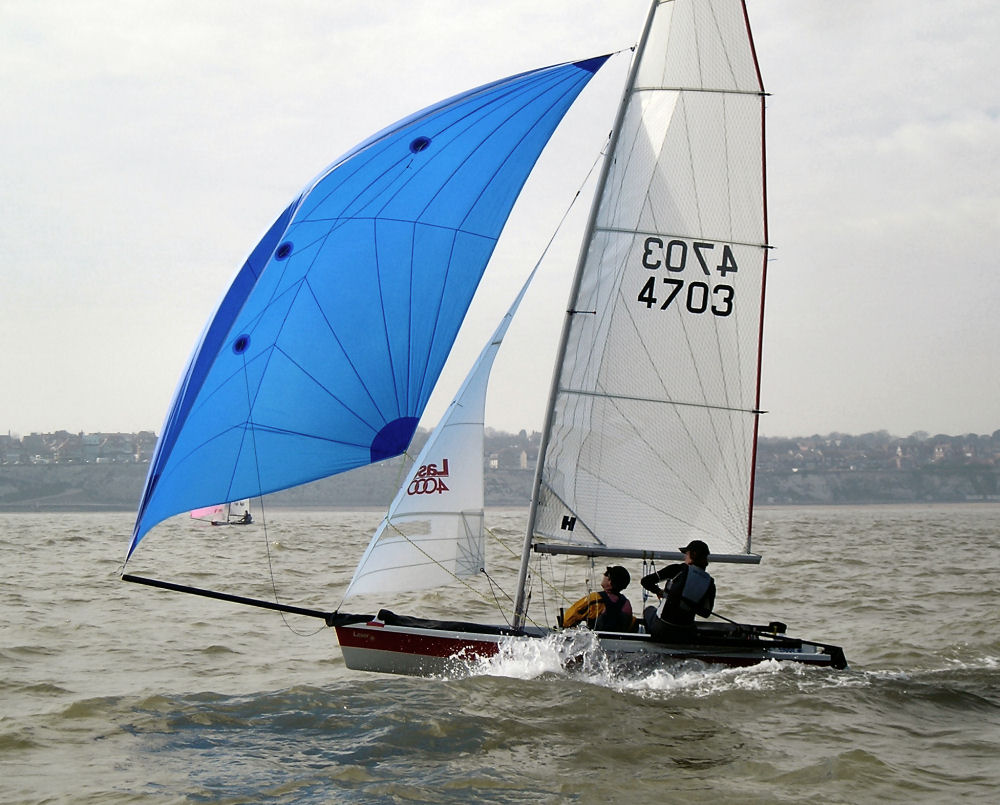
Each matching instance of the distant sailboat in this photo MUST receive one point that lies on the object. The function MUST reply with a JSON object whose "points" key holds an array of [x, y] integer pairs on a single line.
{"points": [[235, 513], [325, 350]]}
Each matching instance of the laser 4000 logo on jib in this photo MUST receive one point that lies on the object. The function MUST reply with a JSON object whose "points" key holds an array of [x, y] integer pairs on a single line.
{"points": [[429, 479]]}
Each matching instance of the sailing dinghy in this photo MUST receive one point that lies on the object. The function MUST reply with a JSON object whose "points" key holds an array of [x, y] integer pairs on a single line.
{"points": [[324, 351], [236, 512]]}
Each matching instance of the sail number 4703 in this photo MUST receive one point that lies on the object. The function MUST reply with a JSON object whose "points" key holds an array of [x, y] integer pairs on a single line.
{"points": [[695, 296]]}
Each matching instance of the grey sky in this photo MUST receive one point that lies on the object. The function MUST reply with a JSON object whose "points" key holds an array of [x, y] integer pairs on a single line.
{"points": [[147, 146]]}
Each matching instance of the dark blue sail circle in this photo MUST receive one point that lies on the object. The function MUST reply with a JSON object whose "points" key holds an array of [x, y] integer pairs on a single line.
{"points": [[419, 144]]}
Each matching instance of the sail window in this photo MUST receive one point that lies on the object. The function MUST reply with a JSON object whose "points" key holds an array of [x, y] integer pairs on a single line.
{"points": [[419, 144], [284, 250], [241, 343]]}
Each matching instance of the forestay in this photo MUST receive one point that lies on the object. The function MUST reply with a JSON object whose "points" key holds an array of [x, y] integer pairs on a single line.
{"points": [[652, 429], [324, 351]]}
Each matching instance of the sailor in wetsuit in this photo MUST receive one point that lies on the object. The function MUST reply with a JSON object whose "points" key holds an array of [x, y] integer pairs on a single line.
{"points": [[688, 591], [608, 610]]}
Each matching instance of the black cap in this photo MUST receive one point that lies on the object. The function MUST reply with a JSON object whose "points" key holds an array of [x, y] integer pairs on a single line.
{"points": [[697, 547], [619, 577]]}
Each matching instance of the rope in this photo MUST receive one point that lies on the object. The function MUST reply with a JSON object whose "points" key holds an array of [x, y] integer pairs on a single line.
{"points": [[263, 516]]}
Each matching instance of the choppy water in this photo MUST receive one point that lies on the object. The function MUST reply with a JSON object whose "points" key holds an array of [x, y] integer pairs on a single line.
{"points": [[115, 693]]}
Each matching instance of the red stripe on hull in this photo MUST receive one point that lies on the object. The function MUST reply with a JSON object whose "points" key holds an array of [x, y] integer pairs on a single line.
{"points": [[382, 639]]}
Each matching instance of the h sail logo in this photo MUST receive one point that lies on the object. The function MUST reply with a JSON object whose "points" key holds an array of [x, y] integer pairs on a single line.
{"points": [[429, 479]]}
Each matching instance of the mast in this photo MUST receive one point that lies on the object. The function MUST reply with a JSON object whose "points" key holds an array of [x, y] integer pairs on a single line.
{"points": [[521, 604]]}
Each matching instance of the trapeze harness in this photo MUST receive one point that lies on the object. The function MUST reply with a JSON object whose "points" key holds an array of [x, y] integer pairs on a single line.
{"points": [[689, 599]]}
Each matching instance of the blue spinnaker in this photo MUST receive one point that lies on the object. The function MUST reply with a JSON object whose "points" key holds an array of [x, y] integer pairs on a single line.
{"points": [[327, 345]]}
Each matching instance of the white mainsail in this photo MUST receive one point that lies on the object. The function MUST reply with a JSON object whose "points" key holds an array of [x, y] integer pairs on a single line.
{"points": [[433, 531], [651, 431], [238, 510]]}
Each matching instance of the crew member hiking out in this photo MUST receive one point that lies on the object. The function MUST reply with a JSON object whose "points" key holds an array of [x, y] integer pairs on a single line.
{"points": [[688, 590]]}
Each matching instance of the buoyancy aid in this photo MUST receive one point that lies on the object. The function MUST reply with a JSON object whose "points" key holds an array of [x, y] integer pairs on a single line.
{"points": [[614, 618], [686, 595], [696, 587], [586, 609], [600, 612]]}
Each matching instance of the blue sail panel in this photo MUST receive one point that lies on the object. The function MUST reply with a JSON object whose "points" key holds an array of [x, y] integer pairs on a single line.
{"points": [[325, 350]]}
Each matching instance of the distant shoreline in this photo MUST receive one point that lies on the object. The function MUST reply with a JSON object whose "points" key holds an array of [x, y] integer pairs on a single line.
{"points": [[98, 509], [118, 487]]}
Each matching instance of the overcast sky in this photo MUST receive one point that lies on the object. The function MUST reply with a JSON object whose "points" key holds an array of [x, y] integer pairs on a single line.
{"points": [[146, 146]]}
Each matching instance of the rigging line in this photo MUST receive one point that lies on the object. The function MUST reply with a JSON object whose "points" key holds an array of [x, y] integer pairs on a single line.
{"points": [[540, 575], [545, 608], [493, 534], [404, 467], [510, 550], [263, 517], [458, 578], [546, 561], [495, 585]]}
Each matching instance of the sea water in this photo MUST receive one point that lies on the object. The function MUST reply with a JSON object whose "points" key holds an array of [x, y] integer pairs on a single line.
{"points": [[116, 693]]}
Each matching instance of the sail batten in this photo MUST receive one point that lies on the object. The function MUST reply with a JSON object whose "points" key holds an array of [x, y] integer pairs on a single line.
{"points": [[758, 93], [687, 236], [660, 401]]}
